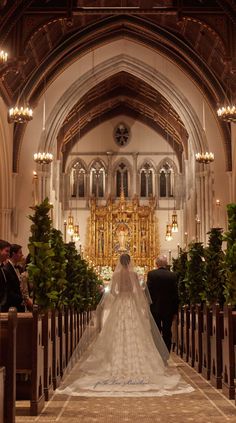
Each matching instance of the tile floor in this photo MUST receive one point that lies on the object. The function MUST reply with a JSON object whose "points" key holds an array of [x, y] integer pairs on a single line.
{"points": [[204, 405]]}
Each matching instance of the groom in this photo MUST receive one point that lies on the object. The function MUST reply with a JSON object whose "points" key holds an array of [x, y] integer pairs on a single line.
{"points": [[162, 285]]}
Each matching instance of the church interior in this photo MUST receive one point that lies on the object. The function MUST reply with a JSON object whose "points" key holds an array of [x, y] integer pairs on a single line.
{"points": [[122, 113]]}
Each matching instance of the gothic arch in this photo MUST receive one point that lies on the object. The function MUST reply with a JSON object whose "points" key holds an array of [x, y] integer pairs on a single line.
{"points": [[139, 69]]}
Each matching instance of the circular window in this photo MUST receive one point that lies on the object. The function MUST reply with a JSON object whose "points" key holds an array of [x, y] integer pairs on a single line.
{"points": [[122, 134]]}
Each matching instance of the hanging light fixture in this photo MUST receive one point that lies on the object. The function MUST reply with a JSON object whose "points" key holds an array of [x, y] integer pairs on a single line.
{"points": [[76, 235], [174, 225], [227, 111], [70, 225], [169, 236], [3, 56], [43, 158], [20, 114], [205, 158]]}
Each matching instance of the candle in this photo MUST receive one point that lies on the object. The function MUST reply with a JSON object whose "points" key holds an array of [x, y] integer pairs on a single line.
{"points": [[197, 229], [169, 257], [36, 188], [65, 224], [178, 248], [186, 239], [218, 213]]}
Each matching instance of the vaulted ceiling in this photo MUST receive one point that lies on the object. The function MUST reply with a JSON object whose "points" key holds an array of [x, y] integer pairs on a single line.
{"points": [[44, 37]]}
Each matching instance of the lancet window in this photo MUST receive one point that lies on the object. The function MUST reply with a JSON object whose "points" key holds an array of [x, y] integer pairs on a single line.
{"points": [[97, 179], [166, 181], [146, 180], [77, 178]]}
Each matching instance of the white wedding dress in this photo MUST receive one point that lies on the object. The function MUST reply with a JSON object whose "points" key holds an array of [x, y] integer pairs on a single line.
{"points": [[126, 355]]}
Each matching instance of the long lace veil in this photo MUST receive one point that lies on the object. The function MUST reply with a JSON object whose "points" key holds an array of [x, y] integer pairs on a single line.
{"points": [[124, 272]]}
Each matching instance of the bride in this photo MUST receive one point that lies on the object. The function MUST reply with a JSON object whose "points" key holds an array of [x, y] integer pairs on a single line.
{"points": [[122, 353]]}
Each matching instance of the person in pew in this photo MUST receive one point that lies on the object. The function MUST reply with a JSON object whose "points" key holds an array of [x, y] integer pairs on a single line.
{"points": [[4, 254], [14, 294], [26, 286]]}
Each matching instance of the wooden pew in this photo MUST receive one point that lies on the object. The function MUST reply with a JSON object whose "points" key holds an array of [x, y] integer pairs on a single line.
{"points": [[68, 334], [8, 323], [191, 336], [198, 338], [180, 337], [56, 371], [206, 342], [48, 348], [30, 360], [72, 330], [228, 352], [186, 333], [62, 336], [216, 347], [2, 384]]}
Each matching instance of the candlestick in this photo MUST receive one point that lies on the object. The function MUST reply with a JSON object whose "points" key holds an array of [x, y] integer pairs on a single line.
{"points": [[65, 224], [178, 248], [36, 188], [186, 239], [218, 213], [51, 213], [169, 257], [197, 229]]}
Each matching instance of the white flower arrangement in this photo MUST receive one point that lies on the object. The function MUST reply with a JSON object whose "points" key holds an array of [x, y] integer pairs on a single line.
{"points": [[106, 273], [141, 273]]}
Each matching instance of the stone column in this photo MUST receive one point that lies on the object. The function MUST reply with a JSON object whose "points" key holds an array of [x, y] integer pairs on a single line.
{"points": [[5, 219], [135, 174], [109, 173]]}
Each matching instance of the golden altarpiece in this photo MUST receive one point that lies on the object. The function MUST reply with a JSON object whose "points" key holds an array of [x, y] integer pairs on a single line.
{"points": [[122, 226]]}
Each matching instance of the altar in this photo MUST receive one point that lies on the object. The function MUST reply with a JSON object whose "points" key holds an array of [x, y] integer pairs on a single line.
{"points": [[122, 226]]}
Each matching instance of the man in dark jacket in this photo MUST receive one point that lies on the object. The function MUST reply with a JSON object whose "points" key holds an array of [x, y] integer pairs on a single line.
{"points": [[14, 295], [162, 285], [4, 254]]}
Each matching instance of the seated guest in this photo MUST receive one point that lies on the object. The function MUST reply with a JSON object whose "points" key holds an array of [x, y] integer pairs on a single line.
{"points": [[4, 254], [26, 286], [14, 295]]}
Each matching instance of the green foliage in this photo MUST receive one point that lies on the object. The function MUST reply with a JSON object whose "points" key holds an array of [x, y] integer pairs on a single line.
{"points": [[214, 287], [230, 256], [59, 281], [82, 291], [180, 268], [196, 273], [40, 268]]}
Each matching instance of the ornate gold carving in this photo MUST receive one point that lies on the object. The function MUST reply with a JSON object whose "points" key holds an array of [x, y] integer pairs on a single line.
{"points": [[122, 226]]}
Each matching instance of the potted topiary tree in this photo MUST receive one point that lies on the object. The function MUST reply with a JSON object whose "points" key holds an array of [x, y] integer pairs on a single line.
{"points": [[230, 256], [40, 268], [215, 277]]}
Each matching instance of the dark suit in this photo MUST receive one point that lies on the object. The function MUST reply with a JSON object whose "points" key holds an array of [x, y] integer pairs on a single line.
{"points": [[14, 295], [162, 285], [3, 288]]}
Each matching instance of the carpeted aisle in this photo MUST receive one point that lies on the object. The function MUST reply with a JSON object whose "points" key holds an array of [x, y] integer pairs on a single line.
{"points": [[204, 405]]}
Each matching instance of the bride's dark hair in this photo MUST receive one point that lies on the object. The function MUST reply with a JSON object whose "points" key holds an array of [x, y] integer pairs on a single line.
{"points": [[125, 259]]}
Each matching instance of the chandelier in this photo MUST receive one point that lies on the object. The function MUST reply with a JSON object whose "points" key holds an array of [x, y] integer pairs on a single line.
{"points": [[70, 223], [20, 114], [227, 113], [168, 232], [205, 158], [43, 158], [3, 56], [174, 225], [76, 235]]}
